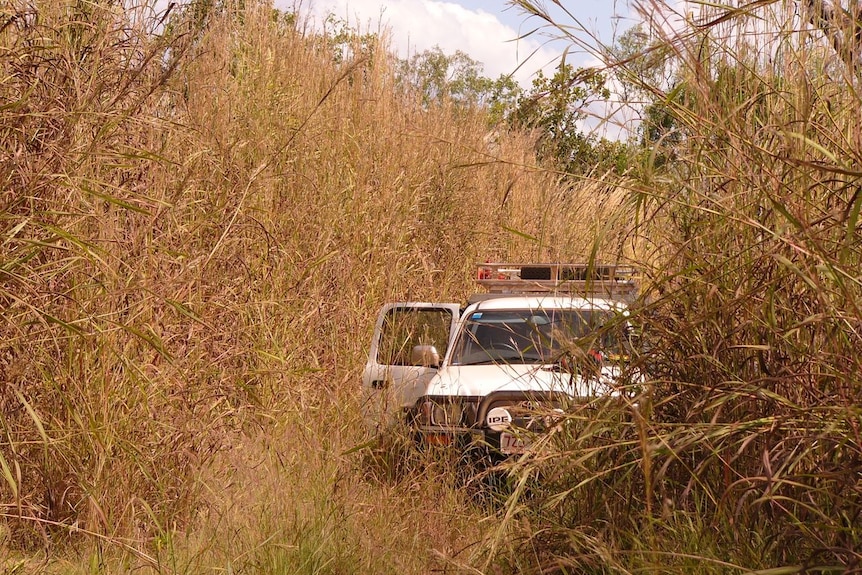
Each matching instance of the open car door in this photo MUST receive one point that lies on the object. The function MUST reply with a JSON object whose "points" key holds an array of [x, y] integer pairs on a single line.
{"points": [[401, 361]]}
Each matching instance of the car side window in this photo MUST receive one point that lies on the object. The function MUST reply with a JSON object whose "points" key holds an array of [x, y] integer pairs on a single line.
{"points": [[404, 328]]}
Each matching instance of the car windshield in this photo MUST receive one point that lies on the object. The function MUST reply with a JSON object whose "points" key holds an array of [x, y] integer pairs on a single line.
{"points": [[533, 336]]}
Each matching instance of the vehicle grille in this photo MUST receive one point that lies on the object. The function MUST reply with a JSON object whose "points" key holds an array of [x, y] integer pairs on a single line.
{"points": [[531, 411]]}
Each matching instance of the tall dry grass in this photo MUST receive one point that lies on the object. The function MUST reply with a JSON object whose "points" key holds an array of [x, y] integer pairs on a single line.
{"points": [[743, 452], [95, 403], [202, 211]]}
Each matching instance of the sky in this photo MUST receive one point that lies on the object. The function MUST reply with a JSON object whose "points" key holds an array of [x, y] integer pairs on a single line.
{"points": [[486, 30]]}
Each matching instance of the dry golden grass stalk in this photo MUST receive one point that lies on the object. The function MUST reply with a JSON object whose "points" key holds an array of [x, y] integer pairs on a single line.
{"points": [[745, 444], [202, 210]]}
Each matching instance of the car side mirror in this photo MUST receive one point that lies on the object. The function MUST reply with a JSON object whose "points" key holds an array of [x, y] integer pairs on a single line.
{"points": [[425, 355]]}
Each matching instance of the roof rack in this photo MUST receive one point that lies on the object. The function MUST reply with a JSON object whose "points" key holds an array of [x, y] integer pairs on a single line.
{"points": [[586, 280]]}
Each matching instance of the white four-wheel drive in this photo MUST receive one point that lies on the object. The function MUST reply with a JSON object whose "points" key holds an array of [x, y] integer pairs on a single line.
{"points": [[491, 375]]}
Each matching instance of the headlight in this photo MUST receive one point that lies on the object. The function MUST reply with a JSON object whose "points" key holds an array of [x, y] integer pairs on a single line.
{"points": [[444, 414], [448, 414]]}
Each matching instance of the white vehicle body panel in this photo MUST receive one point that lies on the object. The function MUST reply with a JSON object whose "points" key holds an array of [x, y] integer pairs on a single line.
{"points": [[480, 380], [388, 389]]}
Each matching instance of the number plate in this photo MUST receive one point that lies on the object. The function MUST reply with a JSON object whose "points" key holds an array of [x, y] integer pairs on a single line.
{"points": [[513, 444]]}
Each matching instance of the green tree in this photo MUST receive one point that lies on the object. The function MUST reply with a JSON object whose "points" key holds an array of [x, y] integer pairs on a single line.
{"points": [[556, 106], [437, 76], [645, 71], [345, 42], [503, 98]]}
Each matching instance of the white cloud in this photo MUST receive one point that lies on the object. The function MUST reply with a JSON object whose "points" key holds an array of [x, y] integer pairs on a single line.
{"points": [[417, 25]]}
